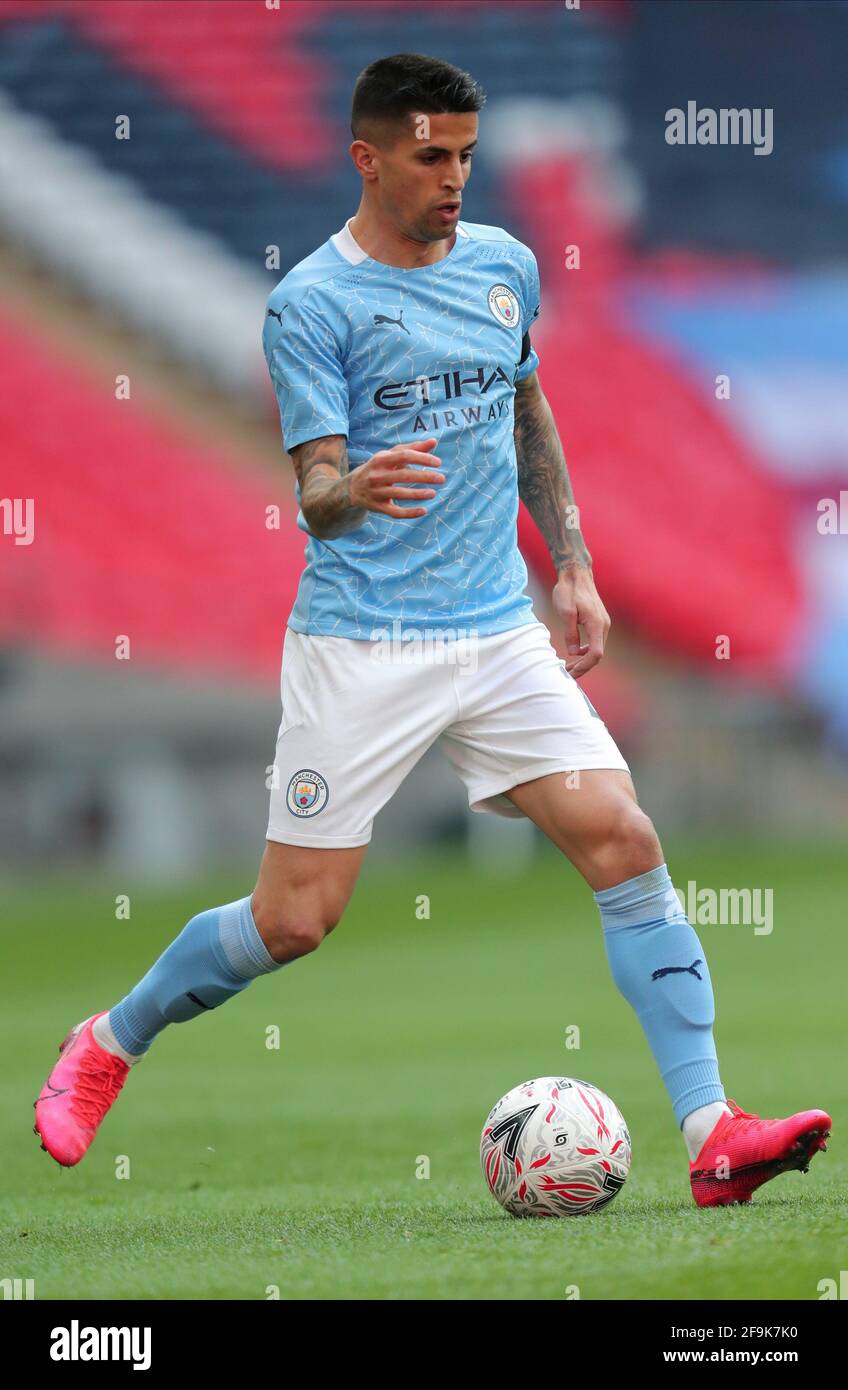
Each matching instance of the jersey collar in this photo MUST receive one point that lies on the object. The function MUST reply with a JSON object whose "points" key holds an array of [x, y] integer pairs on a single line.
{"points": [[347, 245]]}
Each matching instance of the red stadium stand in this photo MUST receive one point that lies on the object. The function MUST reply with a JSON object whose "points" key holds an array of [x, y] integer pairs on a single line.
{"points": [[691, 538], [230, 72], [139, 530]]}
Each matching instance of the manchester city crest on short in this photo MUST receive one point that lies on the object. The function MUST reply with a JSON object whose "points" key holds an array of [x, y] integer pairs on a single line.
{"points": [[307, 793], [504, 306]]}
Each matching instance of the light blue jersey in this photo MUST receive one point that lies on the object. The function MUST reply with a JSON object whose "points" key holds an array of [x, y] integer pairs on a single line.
{"points": [[386, 355]]}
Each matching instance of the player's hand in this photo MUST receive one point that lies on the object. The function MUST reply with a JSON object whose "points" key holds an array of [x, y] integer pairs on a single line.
{"points": [[578, 604], [397, 474]]}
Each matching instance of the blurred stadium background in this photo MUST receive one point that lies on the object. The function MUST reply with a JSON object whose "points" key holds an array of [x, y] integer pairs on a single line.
{"points": [[136, 412], [144, 262]]}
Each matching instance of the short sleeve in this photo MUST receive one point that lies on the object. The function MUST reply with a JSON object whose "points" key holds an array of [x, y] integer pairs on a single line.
{"points": [[531, 304], [304, 359]]}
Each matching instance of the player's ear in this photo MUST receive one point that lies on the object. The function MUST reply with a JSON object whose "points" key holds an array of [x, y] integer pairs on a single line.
{"points": [[363, 156]]}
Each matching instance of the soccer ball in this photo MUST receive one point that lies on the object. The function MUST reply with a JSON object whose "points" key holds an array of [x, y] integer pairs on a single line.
{"points": [[555, 1146]]}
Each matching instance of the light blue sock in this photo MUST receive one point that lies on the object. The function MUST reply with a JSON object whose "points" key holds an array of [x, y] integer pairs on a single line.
{"points": [[215, 956], [659, 965]]}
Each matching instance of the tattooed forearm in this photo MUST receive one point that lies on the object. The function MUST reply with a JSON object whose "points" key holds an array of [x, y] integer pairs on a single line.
{"points": [[323, 472], [543, 482]]}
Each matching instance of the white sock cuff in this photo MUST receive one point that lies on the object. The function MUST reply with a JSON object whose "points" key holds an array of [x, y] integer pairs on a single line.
{"points": [[102, 1030]]}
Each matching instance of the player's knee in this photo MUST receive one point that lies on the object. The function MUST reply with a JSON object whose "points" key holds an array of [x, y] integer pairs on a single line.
{"points": [[626, 843], [289, 936], [636, 837], [297, 937], [291, 929]]}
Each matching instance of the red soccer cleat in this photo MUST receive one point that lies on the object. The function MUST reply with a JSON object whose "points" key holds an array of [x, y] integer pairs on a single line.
{"points": [[76, 1095], [744, 1151]]}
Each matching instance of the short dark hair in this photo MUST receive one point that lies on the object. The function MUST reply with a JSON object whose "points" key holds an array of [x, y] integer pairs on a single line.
{"points": [[389, 90]]}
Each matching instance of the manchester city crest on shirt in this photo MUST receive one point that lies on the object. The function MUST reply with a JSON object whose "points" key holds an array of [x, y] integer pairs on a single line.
{"points": [[307, 793], [504, 306]]}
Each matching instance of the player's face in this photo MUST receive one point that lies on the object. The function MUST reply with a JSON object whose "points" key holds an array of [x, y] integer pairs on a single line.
{"points": [[425, 170]]}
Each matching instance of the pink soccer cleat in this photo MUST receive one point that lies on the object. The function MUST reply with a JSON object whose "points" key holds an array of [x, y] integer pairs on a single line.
{"points": [[76, 1095], [744, 1151]]}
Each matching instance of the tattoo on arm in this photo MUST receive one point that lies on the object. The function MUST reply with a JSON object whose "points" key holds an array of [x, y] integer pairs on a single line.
{"points": [[543, 482], [323, 472]]}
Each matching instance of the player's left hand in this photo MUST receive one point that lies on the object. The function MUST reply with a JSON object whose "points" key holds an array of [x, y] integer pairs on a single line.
{"points": [[577, 603]]}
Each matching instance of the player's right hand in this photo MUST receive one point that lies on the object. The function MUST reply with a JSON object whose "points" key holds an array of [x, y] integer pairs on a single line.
{"points": [[396, 474]]}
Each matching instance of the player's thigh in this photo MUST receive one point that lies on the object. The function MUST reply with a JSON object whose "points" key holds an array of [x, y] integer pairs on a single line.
{"points": [[593, 816], [303, 888]]}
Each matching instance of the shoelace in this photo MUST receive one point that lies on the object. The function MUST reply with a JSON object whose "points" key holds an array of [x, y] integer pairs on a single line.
{"points": [[97, 1086], [740, 1114], [751, 1124], [760, 1119]]}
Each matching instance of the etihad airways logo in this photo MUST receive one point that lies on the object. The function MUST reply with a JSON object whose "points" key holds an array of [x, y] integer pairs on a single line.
{"points": [[442, 386]]}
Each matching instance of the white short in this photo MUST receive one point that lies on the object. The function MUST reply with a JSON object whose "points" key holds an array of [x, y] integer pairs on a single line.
{"points": [[358, 715]]}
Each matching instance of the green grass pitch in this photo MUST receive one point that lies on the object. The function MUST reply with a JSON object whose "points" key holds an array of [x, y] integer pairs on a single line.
{"points": [[254, 1169]]}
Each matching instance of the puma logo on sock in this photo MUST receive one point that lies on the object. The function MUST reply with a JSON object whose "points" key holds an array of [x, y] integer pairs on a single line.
{"points": [[679, 970]]}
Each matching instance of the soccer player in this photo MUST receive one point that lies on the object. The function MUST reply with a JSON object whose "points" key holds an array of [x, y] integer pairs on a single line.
{"points": [[410, 403]]}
